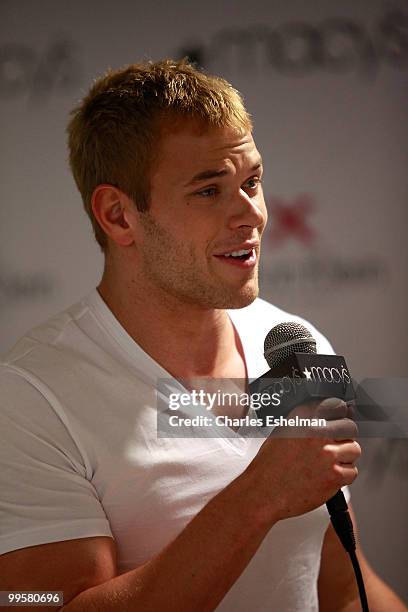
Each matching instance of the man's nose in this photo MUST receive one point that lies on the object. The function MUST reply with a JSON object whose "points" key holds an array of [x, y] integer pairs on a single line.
{"points": [[247, 211]]}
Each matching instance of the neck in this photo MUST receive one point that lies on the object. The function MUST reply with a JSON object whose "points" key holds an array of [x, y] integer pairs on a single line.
{"points": [[185, 339]]}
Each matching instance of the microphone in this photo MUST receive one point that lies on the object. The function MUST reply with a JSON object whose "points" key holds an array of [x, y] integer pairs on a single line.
{"points": [[290, 351], [281, 350]]}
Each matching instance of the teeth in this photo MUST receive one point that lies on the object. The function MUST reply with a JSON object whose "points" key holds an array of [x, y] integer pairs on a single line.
{"points": [[238, 253]]}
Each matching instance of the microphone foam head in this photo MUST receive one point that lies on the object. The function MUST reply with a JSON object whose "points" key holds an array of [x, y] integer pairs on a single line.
{"points": [[285, 339]]}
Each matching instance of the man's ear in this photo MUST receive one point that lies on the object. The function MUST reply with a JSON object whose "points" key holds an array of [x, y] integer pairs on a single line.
{"points": [[115, 213]]}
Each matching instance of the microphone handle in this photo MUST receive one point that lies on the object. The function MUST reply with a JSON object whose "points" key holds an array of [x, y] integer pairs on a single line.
{"points": [[341, 520]]}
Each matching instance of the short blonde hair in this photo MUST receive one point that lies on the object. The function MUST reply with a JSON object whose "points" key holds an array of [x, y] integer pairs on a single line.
{"points": [[114, 133]]}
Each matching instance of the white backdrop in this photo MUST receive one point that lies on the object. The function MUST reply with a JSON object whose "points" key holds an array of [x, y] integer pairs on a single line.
{"points": [[325, 82]]}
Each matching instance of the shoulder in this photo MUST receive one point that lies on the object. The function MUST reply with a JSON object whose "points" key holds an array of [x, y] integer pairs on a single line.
{"points": [[34, 375], [49, 333], [51, 349]]}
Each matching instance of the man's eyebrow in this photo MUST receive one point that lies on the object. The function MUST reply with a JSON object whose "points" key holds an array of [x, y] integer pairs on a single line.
{"points": [[206, 174], [209, 174]]}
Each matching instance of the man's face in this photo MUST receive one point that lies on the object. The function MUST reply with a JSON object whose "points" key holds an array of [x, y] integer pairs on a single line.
{"points": [[206, 202]]}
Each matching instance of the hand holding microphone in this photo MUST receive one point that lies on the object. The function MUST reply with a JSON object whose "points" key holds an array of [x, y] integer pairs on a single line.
{"points": [[300, 470], [314, 462], [305, 471]]}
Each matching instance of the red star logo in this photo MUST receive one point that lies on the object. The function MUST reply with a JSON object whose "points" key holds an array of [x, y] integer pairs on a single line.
{"points": [[289, 220]]}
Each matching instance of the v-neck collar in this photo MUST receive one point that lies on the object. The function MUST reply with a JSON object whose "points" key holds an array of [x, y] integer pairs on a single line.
{"points": [[152, 370]]}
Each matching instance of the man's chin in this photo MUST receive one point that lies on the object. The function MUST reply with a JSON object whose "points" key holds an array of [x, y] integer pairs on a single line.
{"points": [[243, 301], [244, 297]]}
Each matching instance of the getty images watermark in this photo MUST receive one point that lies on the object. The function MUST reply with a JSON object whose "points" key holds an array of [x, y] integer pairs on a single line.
{"points": [[210, 412], [231, 407], [222, 400]]}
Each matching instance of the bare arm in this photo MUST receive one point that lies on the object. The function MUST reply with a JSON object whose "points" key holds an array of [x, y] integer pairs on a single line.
{"points": [[337, 586], [196, 570]]}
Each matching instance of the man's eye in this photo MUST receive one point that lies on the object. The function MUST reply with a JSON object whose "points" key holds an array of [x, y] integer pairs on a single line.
{"points": [[253, 182], [208, 192]]}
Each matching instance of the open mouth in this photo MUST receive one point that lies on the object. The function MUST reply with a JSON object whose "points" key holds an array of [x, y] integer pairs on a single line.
{"points": [[241, 255], [244, 257]]}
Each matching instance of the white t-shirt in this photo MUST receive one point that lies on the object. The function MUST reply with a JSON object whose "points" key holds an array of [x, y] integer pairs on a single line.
{"points": [[80, 456]]}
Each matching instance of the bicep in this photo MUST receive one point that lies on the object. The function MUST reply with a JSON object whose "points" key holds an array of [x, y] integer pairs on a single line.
{"points": [[71, 566]]}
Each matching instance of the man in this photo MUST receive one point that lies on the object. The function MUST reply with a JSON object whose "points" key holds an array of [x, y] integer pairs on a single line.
{"points": [[93, 502]]}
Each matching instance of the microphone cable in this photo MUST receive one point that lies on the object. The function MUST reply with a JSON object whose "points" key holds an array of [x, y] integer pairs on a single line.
{"points": [[343, 526], [281, 344]]}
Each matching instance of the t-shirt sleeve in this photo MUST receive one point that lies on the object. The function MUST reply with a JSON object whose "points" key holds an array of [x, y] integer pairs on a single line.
{"points": [[46, 494]]}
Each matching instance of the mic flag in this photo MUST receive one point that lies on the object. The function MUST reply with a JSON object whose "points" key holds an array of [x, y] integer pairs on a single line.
{"points": [[304, 377]]}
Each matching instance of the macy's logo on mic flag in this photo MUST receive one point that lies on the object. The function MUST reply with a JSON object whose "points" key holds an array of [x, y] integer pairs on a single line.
{"points": [[312, 377]]}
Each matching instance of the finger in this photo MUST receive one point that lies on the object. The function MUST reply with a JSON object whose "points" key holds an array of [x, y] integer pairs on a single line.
{"points": [[346, 452], [341, 430], [348, 474], [332, 409]]}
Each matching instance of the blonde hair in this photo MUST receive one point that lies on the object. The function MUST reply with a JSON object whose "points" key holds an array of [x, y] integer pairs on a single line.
{"points": [[114, 133]]}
